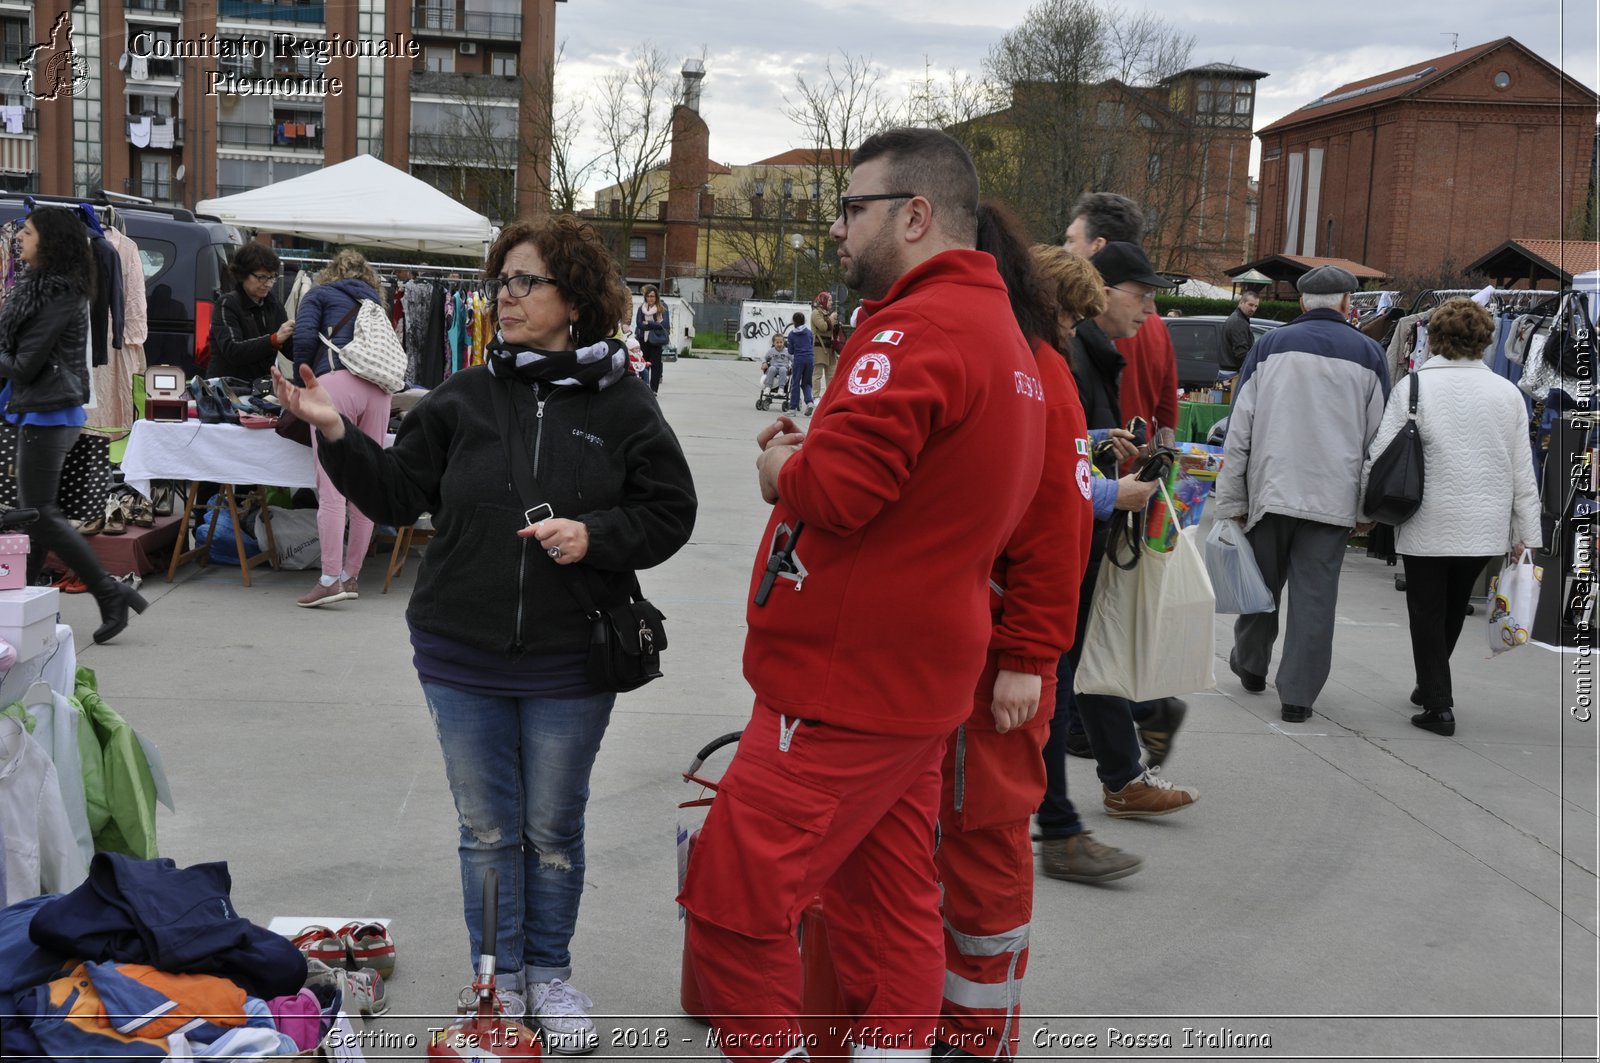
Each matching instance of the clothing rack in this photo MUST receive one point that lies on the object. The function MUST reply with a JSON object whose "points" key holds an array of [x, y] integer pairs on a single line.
{"points": [[1522, 299], [437, 272]]}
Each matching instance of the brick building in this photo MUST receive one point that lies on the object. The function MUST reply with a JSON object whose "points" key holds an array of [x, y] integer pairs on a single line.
{"points": [[1423, 168], [183, 100]]}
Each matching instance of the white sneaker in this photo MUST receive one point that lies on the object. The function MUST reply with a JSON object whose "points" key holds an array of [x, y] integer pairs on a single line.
{"points": [[510, 1003], [562, 1013]]}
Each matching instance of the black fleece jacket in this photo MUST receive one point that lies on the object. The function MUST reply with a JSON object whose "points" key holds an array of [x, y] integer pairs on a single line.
{"points": [[606, 458], [241, 335]]}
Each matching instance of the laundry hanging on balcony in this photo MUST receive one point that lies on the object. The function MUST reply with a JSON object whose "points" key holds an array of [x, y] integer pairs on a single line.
{"points": [[139, 132], [161, 133]]}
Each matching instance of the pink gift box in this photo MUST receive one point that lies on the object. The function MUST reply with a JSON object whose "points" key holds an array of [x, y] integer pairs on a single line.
{"points": [[13, 562]]}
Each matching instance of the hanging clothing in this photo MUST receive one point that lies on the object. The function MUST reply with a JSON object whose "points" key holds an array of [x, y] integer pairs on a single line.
{"points": [[297, 291], [139, 132], [12, 117], [113, 382], [57, 724], [161, 133], [431, 359], [107, 309], [41, 855]]}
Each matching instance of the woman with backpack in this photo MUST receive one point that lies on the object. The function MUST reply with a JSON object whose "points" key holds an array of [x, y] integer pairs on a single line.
{"points": [[327, 315]]}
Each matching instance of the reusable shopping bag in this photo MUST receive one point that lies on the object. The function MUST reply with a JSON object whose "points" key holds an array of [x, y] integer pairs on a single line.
{"points": [[1149, 634], [1235, 576], [1513, 598]]}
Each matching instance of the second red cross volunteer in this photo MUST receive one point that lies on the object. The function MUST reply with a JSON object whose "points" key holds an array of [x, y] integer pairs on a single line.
{"points": [[869, 622]]}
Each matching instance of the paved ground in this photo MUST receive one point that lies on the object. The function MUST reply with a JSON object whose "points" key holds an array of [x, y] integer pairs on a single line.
{"points": [[1347, 888]]}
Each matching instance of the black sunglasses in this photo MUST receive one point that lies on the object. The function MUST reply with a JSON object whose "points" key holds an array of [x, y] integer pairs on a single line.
{"points": [[519, 286]]}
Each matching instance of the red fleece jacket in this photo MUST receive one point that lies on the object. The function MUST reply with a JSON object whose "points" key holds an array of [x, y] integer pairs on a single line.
{"points": [[1150, 379], [1044, 561], [917, 467]]}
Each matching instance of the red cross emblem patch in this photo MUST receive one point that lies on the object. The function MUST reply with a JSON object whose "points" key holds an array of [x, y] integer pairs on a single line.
{"points": [[870, 374]]}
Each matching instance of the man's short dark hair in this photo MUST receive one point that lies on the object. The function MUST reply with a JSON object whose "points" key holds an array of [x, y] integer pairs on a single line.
{"points": [[1110, 217], [255, 258], [936, 167]]}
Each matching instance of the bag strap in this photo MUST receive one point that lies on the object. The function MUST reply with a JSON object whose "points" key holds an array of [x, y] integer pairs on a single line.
{"points": [[532, 494], [1411, 412], [327, 339]]}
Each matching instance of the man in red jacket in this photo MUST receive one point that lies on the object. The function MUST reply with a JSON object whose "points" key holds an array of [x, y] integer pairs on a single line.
{"points": [[887, 517]]}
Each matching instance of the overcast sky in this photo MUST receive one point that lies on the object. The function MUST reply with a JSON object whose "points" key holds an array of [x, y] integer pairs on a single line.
{"points": [[755, 52]]}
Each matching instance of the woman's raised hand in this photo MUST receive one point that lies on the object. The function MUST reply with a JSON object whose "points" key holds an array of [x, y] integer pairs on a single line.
{"points": [[311, 403]]}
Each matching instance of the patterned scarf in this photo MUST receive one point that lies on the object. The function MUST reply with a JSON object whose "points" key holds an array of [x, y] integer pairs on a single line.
{"points": [[597, 366]]}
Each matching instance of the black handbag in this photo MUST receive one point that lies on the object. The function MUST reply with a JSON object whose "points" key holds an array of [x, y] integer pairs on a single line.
{"points": [[1571, 345], [1394, 488], [626, 640]]}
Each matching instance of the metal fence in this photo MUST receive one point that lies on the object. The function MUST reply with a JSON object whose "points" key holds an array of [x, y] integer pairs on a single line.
{"points": [[717, 319]]}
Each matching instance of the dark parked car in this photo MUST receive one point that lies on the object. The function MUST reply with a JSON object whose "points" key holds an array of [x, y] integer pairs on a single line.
{"points": [[185, 262], [1197, 343]]}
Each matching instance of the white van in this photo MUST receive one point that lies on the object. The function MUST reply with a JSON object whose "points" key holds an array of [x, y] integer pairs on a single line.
{"points": [[680, 315]]}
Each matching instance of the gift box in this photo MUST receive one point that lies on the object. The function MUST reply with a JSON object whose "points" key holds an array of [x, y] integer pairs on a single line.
{"points": [[13, 561], [28, 619], [1189, 482]]}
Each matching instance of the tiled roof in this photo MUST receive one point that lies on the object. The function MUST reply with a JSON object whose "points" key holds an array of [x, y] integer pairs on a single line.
{"points": [[1381, 88], [807, 157], [1218, 70], [1566, 258]]}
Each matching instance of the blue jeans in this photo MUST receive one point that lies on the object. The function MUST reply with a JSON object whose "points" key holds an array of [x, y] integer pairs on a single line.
{"points": [[519, 772]]}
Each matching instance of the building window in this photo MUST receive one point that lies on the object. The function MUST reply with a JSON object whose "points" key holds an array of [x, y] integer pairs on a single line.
{"points": [[155, 178], [440, 15], [1327, 244], [1502, 80], [1109, 113], [440, 60], [1274, 152], [503, 63], [636, 248]]}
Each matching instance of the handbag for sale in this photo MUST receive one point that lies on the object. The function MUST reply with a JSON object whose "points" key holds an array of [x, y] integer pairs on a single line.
{"points": [[1570, 350], [86, 478], [374, 353], [625, 641], [1394, 487]]}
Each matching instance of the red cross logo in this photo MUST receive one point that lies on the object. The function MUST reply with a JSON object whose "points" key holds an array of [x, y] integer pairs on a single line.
{"points": [[870, 374]]}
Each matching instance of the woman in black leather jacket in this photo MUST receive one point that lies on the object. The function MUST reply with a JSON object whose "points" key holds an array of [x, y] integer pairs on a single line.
{"points": [[45, 364]]}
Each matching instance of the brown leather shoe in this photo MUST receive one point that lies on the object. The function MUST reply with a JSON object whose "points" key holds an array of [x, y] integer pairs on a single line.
{"points": [[1149, 795], [322, 594], [1079, 858]]}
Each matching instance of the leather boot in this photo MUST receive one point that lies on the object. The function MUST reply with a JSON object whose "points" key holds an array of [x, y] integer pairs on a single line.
{"points": [[1439, 721], [115, 598]]}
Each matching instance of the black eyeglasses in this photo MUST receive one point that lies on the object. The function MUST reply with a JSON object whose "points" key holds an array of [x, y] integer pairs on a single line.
{"points": [[846, 202], [265, 278], [519, 286]]}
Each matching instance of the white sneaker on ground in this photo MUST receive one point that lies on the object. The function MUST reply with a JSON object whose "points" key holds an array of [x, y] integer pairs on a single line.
{"points": [[510, 1002], [562, 1013]]}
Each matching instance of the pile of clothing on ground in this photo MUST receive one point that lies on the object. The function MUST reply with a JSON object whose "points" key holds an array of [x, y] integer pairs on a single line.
{"points": [[149, 960]]}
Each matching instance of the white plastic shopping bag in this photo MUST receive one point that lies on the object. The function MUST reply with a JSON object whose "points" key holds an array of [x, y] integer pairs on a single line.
{"points": [[1513, 597], [1149, 634], [1231, 564]]}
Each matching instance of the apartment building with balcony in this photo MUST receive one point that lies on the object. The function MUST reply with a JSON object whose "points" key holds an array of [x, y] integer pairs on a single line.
{"points": [[186, 100]]}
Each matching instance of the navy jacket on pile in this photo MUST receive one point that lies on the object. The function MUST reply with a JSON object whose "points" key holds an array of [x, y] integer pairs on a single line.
{"points": [[178, 920]]}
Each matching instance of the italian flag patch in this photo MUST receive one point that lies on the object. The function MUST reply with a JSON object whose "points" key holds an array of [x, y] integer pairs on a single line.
{"points": [[889, 336]]}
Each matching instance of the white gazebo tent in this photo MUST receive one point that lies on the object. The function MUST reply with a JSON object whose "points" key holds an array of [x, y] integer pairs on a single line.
{"points": [[361, 201]]}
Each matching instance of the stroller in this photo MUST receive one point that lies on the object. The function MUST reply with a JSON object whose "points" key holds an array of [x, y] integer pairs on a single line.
{"points": [[776, 391]]}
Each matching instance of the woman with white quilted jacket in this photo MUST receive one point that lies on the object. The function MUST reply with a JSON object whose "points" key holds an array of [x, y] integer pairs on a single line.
{"points": [[1479, 498]]}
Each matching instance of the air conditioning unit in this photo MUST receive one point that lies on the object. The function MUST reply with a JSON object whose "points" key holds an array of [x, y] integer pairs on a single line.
{"points": [[469, 47]]}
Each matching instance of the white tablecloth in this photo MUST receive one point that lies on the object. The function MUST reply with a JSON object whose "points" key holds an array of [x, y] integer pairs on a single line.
{"points": [[220, 453]]}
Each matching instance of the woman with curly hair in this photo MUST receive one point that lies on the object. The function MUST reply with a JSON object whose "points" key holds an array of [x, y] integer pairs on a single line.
{"points": [[1479, 499], [329, 311], [499, 638], [43, 360]]}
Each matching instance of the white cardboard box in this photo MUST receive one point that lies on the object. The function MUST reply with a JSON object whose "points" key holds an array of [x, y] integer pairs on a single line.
{"points": [[28, 605], [31, 640]]}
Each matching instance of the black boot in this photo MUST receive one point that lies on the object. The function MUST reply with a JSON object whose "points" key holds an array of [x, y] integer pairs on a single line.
{"points": [[1439, 721], [115, 598]]}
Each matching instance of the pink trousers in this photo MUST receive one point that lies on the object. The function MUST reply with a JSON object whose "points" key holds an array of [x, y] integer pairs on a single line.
{"points": [[368, 406]]}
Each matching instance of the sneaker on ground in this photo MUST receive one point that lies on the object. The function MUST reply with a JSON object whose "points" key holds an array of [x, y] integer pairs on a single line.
{"points": [[1079, 858], [1158, 732], [509, 1002], [351, 591], [1149, 795], [1078, 745], [321, 594], [562, 1013], [809, 409]]}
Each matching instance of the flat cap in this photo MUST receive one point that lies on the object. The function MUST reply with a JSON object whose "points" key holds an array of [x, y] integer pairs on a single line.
{"points": [[1327, 280]]}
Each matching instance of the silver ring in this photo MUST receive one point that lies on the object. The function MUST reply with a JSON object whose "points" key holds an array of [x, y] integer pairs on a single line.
{"points": [[554, 551]]}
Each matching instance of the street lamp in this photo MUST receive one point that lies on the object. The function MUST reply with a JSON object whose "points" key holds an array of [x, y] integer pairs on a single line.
{"points": [[796, 241]]}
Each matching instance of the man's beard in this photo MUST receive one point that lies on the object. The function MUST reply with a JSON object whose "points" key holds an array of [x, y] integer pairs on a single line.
{"points": [[869, 269]]}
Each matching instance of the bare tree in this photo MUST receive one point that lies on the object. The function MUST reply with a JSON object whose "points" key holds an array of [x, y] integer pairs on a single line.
{"points": [[834, 114], [471, 148], [634, 118]]}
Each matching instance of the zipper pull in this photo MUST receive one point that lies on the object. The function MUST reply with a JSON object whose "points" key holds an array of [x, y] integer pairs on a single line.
{"points": [[540, 413]]}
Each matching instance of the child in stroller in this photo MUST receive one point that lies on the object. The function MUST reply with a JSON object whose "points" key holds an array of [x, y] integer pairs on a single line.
{"points": [[775, 375]]}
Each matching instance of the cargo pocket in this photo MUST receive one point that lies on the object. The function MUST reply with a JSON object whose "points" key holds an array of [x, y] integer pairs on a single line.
{"points": [[1001, 776], [753, 859]]}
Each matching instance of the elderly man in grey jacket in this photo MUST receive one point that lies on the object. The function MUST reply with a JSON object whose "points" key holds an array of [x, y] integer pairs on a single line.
{"points": [[1308, 402]]}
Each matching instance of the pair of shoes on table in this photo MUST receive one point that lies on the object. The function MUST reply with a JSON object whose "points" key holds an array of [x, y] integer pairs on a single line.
{"points": [[351, 947], [1148, 795], [362, 991], [561, 1013], [1079, 858], [1160, 731]]}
